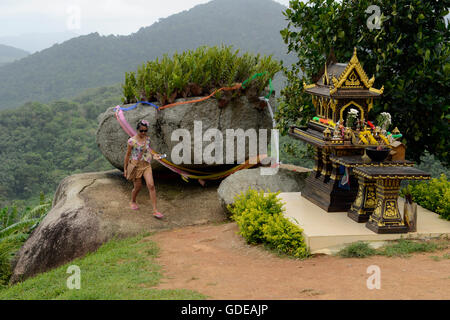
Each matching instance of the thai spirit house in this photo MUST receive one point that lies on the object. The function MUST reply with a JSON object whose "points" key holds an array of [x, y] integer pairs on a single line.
{"points": [[341, 88]]}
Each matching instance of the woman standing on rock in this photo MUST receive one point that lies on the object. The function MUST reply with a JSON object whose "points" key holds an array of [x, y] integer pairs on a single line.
{"points": [[139, 166]]}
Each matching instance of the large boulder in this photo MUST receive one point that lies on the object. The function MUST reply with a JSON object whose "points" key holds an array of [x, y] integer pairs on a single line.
{"points": [[289, 178], [92, 208], [240, 113]]}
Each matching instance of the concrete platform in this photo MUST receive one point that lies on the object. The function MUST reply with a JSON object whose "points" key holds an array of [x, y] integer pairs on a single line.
{"points": [[328, 232]]}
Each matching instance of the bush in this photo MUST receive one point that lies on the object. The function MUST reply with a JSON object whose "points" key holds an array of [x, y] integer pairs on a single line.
{"points": [[260, 220], [284, 236], [433, 195], [193, 73]]}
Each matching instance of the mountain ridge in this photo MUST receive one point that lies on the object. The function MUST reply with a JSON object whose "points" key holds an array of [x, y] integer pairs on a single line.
{"points": [[9, 54], [89, 61], [34, 42]]}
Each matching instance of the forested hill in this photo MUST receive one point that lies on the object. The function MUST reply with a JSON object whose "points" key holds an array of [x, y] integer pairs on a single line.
{"points": [[93, 60], [41, 144], [9, 54]]}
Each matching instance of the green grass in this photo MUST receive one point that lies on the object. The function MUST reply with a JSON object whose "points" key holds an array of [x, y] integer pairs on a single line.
{"points": [[399, 248], [119, 270], [404, 248], [357, 250], [444, 257]]}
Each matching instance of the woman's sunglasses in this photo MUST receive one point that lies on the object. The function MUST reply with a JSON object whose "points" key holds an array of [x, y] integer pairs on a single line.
{"points": [[143, 131]]}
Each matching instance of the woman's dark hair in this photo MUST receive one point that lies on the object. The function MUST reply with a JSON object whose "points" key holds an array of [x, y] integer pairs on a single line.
{"points": [[141, 124]]}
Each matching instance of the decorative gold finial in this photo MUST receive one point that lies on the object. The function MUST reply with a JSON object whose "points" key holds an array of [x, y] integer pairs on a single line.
{"points": [[396, 131], [354, 59], [326, 80]]}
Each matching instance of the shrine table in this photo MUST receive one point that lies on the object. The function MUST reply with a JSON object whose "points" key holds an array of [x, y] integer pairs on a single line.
{"points": [[386, 216], [365, 202]]}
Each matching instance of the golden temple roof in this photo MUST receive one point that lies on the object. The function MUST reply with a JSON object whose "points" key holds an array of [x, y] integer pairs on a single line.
{"points": [[344, 80]]}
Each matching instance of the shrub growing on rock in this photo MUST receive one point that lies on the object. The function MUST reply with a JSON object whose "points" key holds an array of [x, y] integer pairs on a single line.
{"points": [[196, 73]]}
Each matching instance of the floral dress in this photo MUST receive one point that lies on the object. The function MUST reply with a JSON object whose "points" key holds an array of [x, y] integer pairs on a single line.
{"points": [[137, 149]]}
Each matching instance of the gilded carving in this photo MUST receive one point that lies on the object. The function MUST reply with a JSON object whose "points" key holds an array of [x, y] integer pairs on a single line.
{"points": [[359, 197], [371, 198], [353, 65], [352, 81], [390, 209], [377, 212]]}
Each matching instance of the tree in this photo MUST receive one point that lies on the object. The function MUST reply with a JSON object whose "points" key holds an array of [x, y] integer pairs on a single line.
{"points": [[408, 54]]}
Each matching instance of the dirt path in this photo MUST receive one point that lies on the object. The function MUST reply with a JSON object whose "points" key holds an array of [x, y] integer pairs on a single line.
{"points": [[215, 261]]}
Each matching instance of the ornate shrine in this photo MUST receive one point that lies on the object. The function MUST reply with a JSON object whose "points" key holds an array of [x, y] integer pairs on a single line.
{"points": [[341, 132], [340, 88]]}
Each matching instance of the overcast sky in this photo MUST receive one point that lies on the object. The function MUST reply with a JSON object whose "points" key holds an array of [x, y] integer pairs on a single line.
{"points": [[86, 16]]}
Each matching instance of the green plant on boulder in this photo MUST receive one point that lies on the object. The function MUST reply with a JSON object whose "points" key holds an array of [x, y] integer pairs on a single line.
{"points": [[197, 72], [130, 88]]}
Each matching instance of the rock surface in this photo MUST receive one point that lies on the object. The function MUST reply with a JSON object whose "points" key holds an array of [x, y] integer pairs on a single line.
{"points": [[238, 114], [92, 208], [289, 178]]}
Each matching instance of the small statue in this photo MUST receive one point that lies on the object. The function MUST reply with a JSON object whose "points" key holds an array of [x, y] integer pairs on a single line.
{"points": [[338, 132], [358, 125], [376, 132], [327, 134]]}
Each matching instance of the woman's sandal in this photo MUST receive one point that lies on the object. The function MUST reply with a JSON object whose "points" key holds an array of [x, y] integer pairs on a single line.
{"points": [[158, 215], [134, 206]]}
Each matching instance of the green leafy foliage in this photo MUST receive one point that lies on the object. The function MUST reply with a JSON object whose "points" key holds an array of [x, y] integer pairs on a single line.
{"points": [[409, 55], [42, 144], [5, 263], [283, 236], [15, 228], [192, 73], [296, 152], [433, 195], [129, 88], [430, 164], [260, 220]]}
